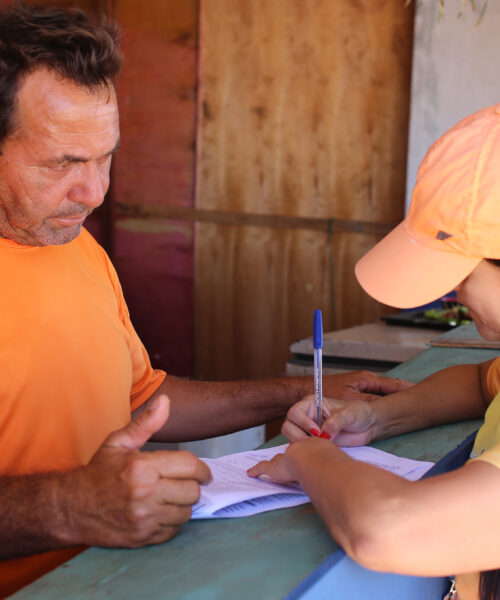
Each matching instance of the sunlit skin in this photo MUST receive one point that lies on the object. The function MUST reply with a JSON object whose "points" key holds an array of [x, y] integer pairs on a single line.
{"points": [[480, 292], [54, 166]]}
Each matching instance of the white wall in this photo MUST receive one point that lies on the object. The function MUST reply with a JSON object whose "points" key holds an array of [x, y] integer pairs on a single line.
{"points": [[456, 71], [248, 439]]}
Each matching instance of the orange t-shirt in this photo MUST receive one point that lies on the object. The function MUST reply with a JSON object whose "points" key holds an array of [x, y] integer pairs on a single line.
{"points": [[72, 368]]}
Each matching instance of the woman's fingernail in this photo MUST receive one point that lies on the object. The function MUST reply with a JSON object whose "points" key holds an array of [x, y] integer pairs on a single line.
{"points": [[325, 435], [315, 432]]}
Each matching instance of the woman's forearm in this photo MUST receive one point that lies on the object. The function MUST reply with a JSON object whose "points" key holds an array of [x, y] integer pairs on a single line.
{"points": [[386, 523], [354, 499], [454, 394]]}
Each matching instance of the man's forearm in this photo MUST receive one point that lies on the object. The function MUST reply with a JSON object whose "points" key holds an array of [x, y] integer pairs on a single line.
{"points": [[201, 409], [32, 516]]}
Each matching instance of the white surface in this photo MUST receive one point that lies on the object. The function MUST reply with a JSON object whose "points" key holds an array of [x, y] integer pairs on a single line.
{"points": [[454, 72], [372, 341], [248, 439]]}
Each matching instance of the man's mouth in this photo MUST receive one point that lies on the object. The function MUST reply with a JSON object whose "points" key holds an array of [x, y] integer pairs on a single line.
{"points": [[70, 220]]}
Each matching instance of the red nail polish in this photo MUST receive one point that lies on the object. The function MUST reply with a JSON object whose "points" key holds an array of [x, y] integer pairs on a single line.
{"points": [[315, 432], [325, 435]]}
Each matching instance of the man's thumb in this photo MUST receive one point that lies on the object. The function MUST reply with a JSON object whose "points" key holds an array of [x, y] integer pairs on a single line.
{"points": [[142, 427]]}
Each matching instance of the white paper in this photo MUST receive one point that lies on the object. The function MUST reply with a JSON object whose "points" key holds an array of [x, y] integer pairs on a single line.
{"points": [[405, 467], [232, 493]]}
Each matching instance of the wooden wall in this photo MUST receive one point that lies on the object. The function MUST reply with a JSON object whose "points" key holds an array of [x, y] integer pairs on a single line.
{"points": [[153, 174], [303, 114]]}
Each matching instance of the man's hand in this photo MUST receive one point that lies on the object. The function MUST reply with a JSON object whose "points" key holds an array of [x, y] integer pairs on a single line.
{"points": [[128, 498], [361, 385], [349, 419]]}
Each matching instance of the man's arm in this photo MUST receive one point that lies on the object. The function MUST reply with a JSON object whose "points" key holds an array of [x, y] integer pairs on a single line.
{"points": [[201, 409], [454, 394], [122, 498]]}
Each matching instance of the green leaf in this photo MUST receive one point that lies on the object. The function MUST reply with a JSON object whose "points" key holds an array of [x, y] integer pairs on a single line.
{"points": [[441, 9], [481, 14]]}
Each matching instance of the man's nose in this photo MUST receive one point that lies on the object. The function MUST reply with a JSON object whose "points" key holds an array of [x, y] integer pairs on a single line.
{"points": [[91, 185]]}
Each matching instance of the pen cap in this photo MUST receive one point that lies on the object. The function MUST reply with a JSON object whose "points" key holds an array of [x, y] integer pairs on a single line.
{"points": [[317, 330]]}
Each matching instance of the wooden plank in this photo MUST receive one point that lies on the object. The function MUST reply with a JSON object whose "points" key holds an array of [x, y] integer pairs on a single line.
{"points": [[303, 114], [156, 264], [222, 217], [304, 107], [157, 102], [256, 290], [464, 336], [465, 343], [155, 166]]}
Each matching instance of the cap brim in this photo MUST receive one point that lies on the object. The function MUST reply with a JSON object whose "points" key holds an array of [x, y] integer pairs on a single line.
{"points": [[400, 272]]}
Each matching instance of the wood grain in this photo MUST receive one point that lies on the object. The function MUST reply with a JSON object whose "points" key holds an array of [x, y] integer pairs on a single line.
{"points": [[155, 166], [303, 113]]}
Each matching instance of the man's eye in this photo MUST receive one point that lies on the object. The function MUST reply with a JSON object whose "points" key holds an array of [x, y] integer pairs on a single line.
{"points": [[61, 166]]}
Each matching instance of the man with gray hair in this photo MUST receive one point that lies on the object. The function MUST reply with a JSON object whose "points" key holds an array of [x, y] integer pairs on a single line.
{"points": [[78, 395]]}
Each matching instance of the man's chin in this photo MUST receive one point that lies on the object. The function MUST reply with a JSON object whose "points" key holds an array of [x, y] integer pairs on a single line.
{"points": [[59, 236]]}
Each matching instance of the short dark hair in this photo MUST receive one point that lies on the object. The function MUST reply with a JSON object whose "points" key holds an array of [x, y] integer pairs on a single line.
{"points": [[66, 41], [489, 585]]}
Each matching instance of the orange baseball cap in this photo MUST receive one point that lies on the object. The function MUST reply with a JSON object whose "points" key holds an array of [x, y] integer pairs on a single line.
{"points": [[453, 221]]}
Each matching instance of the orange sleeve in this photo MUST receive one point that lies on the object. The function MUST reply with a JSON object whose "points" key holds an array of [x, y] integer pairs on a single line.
{"points": [[145, 379], [493, 377]]}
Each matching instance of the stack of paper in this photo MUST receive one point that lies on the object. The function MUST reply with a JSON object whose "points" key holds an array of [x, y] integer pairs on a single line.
{"points": [[233, 494]]}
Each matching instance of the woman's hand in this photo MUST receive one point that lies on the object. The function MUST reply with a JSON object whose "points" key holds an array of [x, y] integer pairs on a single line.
{"points": [[346, 422]]}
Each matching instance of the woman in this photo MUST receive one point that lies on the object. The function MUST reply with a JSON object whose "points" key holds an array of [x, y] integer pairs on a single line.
{"points": [[448, 523]]}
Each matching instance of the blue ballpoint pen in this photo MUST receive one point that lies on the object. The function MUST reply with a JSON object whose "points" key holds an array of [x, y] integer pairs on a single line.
{"points": [[318, 364]]}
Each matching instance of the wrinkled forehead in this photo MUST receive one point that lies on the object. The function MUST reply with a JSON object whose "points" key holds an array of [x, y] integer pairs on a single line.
{"points": [[48, 104]]}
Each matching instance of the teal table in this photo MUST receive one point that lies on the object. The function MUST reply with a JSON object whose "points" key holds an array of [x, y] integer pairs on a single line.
{"points": [[281, 554]]}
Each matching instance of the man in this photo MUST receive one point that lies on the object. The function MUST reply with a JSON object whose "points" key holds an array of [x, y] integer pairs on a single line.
{"points": [[73, 368]]}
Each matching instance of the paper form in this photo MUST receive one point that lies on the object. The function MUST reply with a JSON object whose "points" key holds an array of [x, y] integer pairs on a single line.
{"points": [[232, 493], [405, 467]]}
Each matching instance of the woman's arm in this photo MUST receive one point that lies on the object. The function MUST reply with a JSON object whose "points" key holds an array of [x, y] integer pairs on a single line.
{"points": [[454, 394], [437, 526]]}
